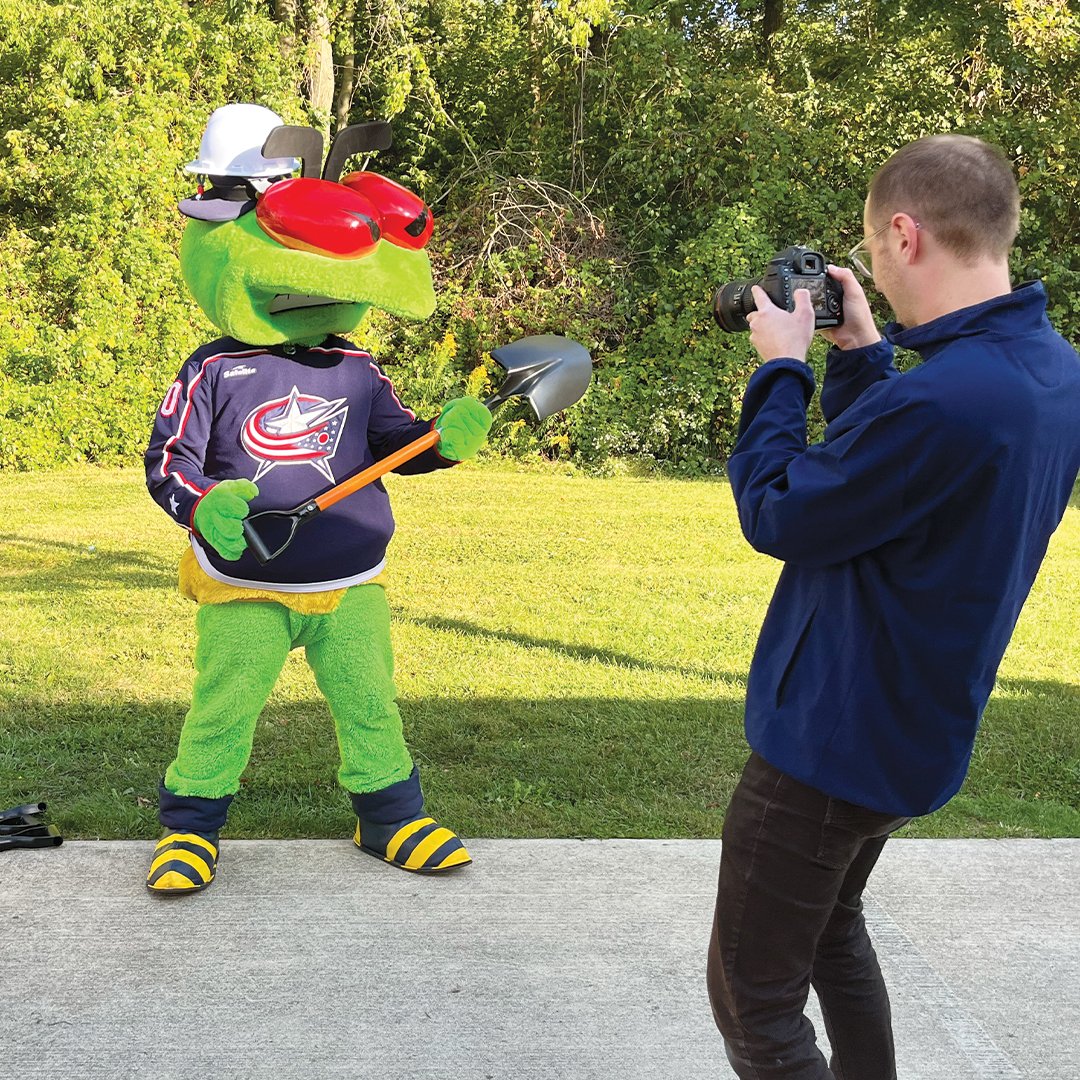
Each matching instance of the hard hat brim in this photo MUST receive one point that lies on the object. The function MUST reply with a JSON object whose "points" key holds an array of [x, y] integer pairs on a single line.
{"points": [[273, 167]]}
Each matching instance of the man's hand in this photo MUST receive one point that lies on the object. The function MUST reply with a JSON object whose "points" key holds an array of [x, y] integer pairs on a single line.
{"points": [[858, 328], [777, 333], [463, 425], [220, 514]]}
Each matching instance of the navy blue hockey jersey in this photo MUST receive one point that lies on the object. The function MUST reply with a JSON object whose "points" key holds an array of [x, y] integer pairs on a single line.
{"points": [[296, 420]]}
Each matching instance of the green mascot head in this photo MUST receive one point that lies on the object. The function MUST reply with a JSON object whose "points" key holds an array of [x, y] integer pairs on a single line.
{"points": [[274, 258]]}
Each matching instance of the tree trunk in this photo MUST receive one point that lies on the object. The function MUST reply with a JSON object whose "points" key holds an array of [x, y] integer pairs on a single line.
{"points": [[319, 64], [346, 67], [536, 62], [772, 20], [285, 11]]}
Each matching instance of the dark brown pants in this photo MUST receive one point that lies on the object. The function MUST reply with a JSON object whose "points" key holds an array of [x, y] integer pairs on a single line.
{"points": [[793, 867]]}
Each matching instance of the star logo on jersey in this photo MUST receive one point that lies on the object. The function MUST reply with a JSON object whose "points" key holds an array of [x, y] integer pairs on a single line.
{"points": [[300, 429]]}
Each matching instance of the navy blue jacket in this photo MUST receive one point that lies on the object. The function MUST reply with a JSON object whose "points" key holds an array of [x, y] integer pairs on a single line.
{"points": [[295, 420], [911, 537]]}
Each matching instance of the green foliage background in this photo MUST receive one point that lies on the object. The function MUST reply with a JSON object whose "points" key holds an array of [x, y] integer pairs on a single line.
{"points": [[597, 169]]}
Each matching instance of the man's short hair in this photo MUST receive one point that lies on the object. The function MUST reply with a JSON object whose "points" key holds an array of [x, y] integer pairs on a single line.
{"points": [[958, 187]]}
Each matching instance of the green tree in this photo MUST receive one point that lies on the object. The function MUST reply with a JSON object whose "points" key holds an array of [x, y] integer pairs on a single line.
{"points": [[596, 167]]}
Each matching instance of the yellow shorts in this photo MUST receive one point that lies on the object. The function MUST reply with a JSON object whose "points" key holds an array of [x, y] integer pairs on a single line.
{"points": [[196, 584]]}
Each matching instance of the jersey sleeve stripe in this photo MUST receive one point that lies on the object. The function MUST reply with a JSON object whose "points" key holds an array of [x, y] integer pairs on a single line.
{"points": [[393, 393], [185, 483], [166, 453]]}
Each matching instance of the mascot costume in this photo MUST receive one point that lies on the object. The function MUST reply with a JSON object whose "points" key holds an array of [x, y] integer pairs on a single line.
{"points": [[271, 414]]}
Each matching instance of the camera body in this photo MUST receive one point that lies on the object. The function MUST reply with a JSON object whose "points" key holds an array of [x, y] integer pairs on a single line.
{"points": [[788, 270]]}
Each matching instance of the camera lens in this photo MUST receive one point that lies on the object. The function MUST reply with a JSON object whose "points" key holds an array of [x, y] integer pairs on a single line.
{"points": [[731, 304]]}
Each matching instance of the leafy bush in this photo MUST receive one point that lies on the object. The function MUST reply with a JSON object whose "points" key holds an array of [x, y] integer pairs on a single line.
{"points": [[597, 170]]}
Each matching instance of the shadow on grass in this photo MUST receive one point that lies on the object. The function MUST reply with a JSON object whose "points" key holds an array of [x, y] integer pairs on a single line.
{"points": [[1024, 778], [78, 567], [491, 766], [1030, 738], [509, 766], [574, 652]]}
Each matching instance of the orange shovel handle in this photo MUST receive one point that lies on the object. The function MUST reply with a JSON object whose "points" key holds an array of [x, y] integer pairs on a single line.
{"points": [[380, 468]]}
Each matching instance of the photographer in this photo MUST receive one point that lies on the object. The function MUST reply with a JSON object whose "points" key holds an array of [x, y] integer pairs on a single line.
{"points": [[911, 536]]}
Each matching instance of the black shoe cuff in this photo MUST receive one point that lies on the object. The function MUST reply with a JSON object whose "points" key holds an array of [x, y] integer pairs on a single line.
{"points": [[398, 802], [191, 813]]}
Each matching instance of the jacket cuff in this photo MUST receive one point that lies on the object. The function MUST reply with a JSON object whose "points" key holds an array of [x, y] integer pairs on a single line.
{"points": [[772, 370], [842, 361]]}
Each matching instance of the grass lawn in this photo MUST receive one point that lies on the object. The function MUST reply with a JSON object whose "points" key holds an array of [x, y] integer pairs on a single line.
{"points": [[571, 661]]}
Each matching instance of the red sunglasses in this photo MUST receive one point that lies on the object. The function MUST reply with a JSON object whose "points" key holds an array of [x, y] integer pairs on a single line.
{"points": [[342, 219]]}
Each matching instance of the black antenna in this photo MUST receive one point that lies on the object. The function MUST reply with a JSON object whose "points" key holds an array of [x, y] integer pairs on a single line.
{"points": [[355, 139], [289, 140]]}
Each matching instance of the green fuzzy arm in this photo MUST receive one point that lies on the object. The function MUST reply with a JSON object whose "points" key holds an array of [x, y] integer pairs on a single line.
{"points": [[463, 425], [220, 515]]}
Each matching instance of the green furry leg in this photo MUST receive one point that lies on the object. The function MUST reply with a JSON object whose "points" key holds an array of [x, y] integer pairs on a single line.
{"points": [[241, 650], [354, 668]]}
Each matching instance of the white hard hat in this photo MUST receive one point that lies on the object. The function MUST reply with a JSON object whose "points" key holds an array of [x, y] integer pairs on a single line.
{"points": [[232, 144]]}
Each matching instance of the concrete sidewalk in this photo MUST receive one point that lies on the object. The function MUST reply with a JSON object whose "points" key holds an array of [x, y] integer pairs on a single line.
{"points": [[576, 960]]}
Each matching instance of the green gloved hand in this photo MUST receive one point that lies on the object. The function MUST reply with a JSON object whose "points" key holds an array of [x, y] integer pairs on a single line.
{"points": [[220, 514], [463, 425]]}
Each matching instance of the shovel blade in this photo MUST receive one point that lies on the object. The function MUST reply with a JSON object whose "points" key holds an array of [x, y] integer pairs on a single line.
{"points": [[549, 371]]}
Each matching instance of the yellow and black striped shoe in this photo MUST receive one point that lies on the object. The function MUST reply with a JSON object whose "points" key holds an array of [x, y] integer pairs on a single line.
{"points": [[183, 862], [421, 845]]}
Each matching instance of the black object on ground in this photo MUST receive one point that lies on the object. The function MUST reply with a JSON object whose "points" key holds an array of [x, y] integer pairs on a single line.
{"points": [[22, 827]]}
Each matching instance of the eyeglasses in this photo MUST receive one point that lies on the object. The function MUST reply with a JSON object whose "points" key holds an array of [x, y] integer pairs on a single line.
{"points": [[859, 256]]}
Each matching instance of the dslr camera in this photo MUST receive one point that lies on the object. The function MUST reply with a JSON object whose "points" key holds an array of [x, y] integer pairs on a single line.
{"points": [[791, 269]]}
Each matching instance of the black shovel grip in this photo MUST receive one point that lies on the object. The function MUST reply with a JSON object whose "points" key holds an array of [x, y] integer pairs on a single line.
{"points": [[256, 543]]}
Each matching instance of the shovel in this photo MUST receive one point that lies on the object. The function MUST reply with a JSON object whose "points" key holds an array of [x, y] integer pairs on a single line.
{"points": [[550, 372]]}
